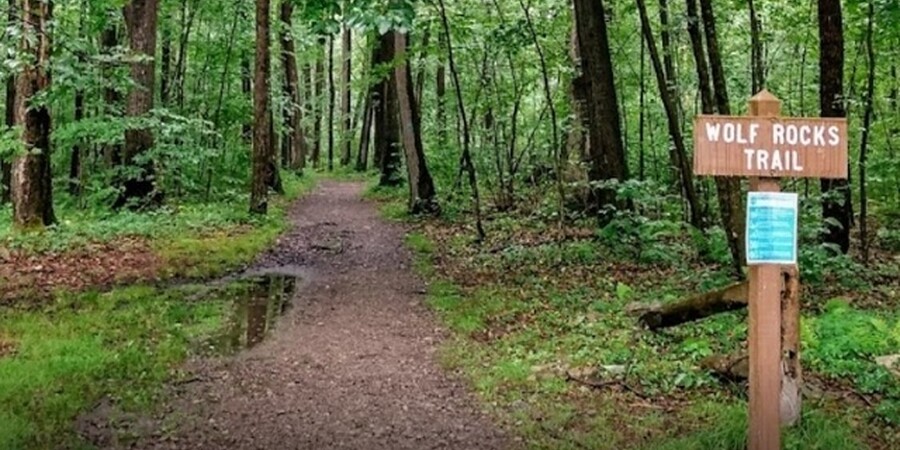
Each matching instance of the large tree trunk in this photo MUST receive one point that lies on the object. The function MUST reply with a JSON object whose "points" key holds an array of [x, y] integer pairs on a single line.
{"points": [[32, 194], [6, 166], [605, 130], [422, 197], [294, 141], [731, 204], [757, 67], [262, 138], [139, 189], [672, 114], [836, 204], [387, 125], [346, 66]]}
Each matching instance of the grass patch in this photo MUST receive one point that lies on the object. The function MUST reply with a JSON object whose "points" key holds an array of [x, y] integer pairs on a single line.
{"points": [[123, 344]]}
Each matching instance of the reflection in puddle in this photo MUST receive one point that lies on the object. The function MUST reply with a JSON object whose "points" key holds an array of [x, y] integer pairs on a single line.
{"points": [[258, 302]]}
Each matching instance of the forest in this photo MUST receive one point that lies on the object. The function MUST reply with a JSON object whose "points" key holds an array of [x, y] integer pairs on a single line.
{"points": [[162, 160]]}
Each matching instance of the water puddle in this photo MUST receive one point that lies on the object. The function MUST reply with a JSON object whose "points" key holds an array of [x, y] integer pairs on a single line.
{"points": [[257, 301]]}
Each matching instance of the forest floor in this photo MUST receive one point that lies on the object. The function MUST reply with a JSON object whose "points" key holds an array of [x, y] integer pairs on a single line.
{"points": [[355, 331]]}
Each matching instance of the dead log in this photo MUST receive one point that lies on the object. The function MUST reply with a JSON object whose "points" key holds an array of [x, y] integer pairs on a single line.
{"points": [[696, 307]]}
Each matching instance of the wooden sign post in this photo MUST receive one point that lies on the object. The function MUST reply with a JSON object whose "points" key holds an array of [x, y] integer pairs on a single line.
{"points": [[766, 147]]}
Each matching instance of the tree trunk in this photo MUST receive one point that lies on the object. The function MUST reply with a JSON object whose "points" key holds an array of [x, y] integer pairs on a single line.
{"points": [[331, 103], [605, 130], [757, 67], [32, 193], [365, 132], [836, 204], [165, 83], [318, 100], [75, 164], [864, 140], [112, 98], [387, 125], [440, 93], [697, 307], [578, 141], [672, 114], [139, 190], [5, 165], [296, 141], [422, 197], [346, 73], [262, 139], [466, 157], [731, 204]]}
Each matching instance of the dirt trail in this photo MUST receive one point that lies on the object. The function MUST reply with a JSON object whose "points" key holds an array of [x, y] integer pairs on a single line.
{"points": [[351, 366]]}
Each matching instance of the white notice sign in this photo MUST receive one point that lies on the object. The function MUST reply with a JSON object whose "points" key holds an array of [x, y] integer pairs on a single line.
{"points": [[772, 228]]}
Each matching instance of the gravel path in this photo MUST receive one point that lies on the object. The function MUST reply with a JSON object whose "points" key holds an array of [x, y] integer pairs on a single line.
{"points": [[351, 366]]}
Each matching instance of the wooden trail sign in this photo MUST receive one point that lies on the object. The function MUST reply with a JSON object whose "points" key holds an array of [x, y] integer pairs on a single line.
{"points": [[766, 147], [776, 147]]}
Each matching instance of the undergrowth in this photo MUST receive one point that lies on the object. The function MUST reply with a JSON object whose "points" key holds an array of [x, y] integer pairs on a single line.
{"points": [[538, 314]]}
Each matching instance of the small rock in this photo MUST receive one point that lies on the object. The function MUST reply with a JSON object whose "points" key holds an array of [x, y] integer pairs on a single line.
{"points": [[615, 369], [890, 362]]}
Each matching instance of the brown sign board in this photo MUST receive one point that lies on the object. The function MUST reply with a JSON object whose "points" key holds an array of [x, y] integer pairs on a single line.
{"points": [[776, 147]]}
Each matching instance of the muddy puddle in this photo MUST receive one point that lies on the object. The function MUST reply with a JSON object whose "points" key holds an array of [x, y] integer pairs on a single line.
{"points": [[256, 302]]}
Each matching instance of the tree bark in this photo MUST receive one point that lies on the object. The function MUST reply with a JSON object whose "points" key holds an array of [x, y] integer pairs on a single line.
{"points": [[672, 114], [422, 196], [864, 140], [757, 67], [32, 193], [295, 140], [112, 98], [386, 112], [578, 140], [697, 307], [262, 139], [6, 165], [75, 164], [346, 74], [836, 204], [605, 130], [331, 103], [731, 204], [318, 100], [139, 190]]}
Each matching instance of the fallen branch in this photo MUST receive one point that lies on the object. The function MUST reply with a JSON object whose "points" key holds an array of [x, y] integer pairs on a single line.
{"points": [[696, 307]]}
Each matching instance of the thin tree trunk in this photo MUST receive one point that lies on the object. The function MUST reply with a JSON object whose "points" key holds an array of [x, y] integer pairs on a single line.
{"points": [[5, 165], [139, 190], [687, 180], [112, 98], [440, 92], [642, 114], [318, 101], [607, 151], [466, 138], [32, 193], [864, 140], [187, 24], [262, 139], [346, 73], [757, 67], [165, 71], [559, 154], [836, 204], [731, 204], [422, 196], [331, 103], [296, 141], [365, 132], [75, 163]]}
